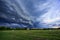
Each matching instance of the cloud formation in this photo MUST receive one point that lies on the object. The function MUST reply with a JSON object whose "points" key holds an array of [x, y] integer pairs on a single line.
{"points": [[43, 12], [53, 11]]}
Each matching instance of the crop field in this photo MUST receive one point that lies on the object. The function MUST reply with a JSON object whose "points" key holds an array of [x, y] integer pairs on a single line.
{"points": [[30, 35]]}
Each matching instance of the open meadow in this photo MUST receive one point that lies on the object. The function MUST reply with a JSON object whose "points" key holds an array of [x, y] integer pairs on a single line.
{"points": [[30, 35]]}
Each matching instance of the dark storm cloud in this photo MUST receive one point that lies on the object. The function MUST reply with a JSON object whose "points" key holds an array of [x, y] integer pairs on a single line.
{"points": [[25, 12]]}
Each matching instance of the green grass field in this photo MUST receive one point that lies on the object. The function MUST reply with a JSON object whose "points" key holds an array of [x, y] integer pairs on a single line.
{"points": [[30, 35]]}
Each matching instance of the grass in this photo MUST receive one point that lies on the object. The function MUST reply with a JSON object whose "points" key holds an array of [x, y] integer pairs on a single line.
{"points": [[30, 35]]}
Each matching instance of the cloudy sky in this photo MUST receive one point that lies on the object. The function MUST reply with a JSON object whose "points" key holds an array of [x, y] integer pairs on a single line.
{"points": [[45, 12]]}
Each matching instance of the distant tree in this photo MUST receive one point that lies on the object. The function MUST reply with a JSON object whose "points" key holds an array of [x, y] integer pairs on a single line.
{"points": [[2, 28]]}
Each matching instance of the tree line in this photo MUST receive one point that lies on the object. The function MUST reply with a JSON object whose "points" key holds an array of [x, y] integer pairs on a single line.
{"points": [[25, 28], [10, 28]]}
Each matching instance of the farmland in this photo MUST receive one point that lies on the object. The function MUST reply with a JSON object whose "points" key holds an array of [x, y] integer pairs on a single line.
{"points": [[29, 34]]}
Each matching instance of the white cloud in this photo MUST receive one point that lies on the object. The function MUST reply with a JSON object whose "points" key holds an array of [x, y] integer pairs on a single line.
{"points": [[55, 26], [51, 15]]}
